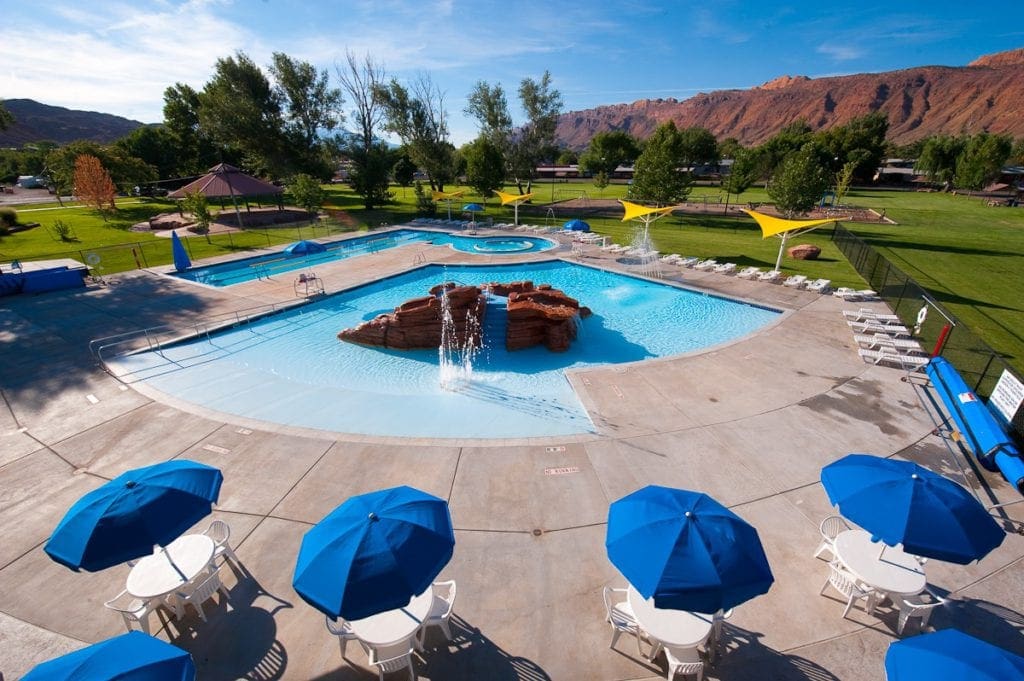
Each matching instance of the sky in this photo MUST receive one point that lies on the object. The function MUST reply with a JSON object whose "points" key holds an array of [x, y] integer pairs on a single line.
{"points": [[118, 57]]}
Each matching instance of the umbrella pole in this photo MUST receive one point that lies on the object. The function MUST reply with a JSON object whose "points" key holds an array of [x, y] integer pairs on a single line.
{"points": [[782, 247]]}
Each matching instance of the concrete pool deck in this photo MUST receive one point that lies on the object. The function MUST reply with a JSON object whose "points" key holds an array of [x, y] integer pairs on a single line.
{"points": [[751, 423]]}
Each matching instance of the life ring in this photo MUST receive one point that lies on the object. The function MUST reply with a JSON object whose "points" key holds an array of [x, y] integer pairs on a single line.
{"points": [[92, 259], [922, 315]]}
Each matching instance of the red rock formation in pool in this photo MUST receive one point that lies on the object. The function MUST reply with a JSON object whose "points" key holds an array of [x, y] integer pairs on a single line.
{"points": [[416, 323], [537, 315]]}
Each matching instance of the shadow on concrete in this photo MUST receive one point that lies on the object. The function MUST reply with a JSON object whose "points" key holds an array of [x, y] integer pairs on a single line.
{"points": [[986, 620], [471, 655], [741, 655]]}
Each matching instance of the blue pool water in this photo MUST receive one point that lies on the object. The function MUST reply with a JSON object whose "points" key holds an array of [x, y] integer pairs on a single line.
{"points": [[263, 266], [290, 368]]}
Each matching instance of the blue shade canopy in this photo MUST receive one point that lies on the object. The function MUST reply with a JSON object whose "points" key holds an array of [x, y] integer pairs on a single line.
{"points": [[134, 656], [473, 207], [304, 248], [374, 552], [126, 517], [950, 655], [900, 502], [686, 550], [180, 255], [576, 225]]}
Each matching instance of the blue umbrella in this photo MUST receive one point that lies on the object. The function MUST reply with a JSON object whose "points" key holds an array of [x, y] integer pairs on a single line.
{"points": [[472, 207], [686, 550], [304, 248], [181, 261], [126, 517], [900, 502], [950, 655], [576, 225], [374, 552], [134, 656]]}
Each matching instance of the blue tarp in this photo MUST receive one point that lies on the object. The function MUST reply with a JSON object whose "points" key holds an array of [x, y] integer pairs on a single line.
{"points": [[304, 248], [576, 225]]}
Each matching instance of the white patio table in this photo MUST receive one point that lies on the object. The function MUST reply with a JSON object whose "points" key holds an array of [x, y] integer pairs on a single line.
{"points": [[393, 626], [891, 570], [154, 576], [674, 628]]}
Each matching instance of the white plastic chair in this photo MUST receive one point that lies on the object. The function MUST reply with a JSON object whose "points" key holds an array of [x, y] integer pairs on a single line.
{"points": [[220, 533], [846, 584], [202, 592], [621, 617], [685, 661], [830, 528], [440, 609], [343, 630], [133, 610], [921, 606], [717, 623], [393, 659]]}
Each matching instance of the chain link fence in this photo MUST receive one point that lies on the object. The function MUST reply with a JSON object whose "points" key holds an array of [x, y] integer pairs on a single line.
{"points": [[942, 333]]}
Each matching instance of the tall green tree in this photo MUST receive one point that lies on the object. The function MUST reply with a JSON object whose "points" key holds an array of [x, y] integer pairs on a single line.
{"points": [[153, 145], [741, 175], [938, 157], [370, 158], [777, 148], [310, 106], [485, 165], [657, 175], [535, 141], [608, 150], [489, 106], [125, 171], [697, 146], [195, 152], [800, 181], [417, 115], [238, 108], [981, 160], [307, 193], [404, 171], [860, 141]]}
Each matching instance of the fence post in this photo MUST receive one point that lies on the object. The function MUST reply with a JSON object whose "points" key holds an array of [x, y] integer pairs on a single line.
{"points": [[984, 372], [143, 251]]}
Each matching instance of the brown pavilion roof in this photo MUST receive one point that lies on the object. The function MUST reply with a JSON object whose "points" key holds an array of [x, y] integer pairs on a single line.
{"points": [[225, 180]]}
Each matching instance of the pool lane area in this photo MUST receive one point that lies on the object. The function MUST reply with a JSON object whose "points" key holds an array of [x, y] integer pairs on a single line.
{"points": [[281, 262], [291, 369]]}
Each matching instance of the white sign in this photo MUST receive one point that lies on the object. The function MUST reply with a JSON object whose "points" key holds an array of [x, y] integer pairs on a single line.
{"points": [[1007, 396]]}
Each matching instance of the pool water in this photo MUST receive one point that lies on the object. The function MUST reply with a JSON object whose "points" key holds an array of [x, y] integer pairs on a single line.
{"points": [[290, 368], [266, 266]]}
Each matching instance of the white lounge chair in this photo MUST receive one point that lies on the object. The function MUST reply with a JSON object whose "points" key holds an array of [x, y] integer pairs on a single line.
{"points": [[725, 268], [890, 356], [771, 276], [671, 258], [689, 261], [878, 339], [868, 294], [867, 314], [846, 293], [878, 327], [705, 265], [795, 281], [819, 285], [749, 272]]}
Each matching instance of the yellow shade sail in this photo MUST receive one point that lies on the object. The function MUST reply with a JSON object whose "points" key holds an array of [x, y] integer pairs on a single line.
{"points": [[512, 198], [440, 196], [635, 210], [771, 225]]}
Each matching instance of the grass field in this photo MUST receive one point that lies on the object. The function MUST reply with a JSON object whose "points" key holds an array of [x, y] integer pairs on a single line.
{"points": [[968, 254]]}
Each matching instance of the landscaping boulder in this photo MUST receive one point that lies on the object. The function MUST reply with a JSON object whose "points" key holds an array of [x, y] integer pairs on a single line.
{"points": [[804, 252]]}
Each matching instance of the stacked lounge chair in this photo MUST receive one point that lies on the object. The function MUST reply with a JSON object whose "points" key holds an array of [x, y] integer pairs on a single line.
{"points": [[795, 281], [819, 285], [771, 276], [749, 272]]}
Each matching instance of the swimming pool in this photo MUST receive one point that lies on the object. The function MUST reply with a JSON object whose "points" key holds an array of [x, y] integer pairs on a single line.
{"points": [[266, 266], [290, 368]]}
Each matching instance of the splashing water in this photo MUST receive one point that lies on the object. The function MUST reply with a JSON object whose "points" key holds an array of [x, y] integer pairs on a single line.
{"points": [[457, 351], [643, 248]]}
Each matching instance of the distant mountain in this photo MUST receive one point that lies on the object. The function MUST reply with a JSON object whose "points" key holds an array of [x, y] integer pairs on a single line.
{"points": [[986, 95], [34, 122]]}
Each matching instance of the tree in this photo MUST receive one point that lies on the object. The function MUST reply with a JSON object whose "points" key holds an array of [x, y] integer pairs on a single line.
{"points": [[981, 160], [93, 184], [535, 141], [788, 140], [310, 106], [154, 146], [485, 165], [307, 193], [417, 115], [404, 171], [239, 109], [489, 107], [369, 175], [861, 141], [938, 157], [1017, 153], [567, 157], [195, 152], [697, 146], [800, 181], [843, 179], [741, 175], [197, 205], [730, 147], [125, 171], [657, 176], [6, 119], [607, 151]]}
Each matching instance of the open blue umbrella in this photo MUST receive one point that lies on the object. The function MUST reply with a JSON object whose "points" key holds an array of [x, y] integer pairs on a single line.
{"points": [[181, 261], [374, 552], [139, 509], [899, 502], [304, 248], [472, 208], [576, 225], [134, 656], [686, 550], [950, 655]]}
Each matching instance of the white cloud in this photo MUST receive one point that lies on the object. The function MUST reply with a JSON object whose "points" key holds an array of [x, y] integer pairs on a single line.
{"points": [[840, 51]]}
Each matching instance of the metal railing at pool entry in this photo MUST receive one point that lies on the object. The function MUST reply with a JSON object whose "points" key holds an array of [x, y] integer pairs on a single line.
{"points": [[156, 338]]}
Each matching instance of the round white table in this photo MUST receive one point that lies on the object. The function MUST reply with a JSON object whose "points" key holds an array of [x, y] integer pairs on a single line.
{"points": [[393, 626], [154, 576], [892, 570], [674, 628]]}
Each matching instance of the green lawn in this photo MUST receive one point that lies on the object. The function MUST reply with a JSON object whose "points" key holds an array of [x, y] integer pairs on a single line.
{"points": [[970, 255]]}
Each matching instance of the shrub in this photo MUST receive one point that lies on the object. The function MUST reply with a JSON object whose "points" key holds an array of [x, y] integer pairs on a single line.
{"points": [[63, 231], [8, 217]]}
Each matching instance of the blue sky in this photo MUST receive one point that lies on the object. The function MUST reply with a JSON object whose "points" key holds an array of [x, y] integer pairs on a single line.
{"points": [[118, 57]]}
